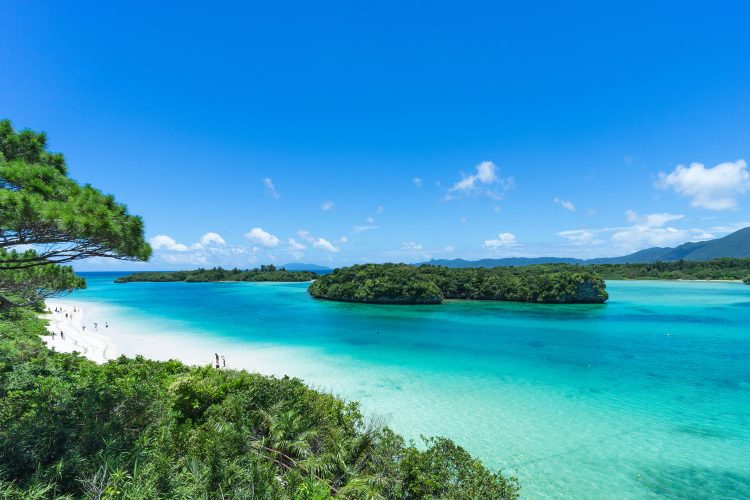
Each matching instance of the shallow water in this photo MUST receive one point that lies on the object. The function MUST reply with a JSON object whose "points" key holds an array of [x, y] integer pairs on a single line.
{"points": [[647, 395]]}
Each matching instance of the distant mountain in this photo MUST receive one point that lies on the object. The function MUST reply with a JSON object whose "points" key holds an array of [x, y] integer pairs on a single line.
{"points": [[299, 266], [736, 245]]}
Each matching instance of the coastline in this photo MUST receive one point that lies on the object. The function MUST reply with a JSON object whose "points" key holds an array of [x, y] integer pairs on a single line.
{"points": [[158, 341]]}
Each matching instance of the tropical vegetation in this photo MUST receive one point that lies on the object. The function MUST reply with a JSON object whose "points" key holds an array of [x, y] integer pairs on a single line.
{"points": [[262, 273], [426, 284], [717, 269]]}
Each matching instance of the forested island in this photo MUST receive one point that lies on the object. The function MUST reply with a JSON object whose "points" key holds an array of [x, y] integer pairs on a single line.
{"points": [[716, 269], [406, 284], [262, 273]]}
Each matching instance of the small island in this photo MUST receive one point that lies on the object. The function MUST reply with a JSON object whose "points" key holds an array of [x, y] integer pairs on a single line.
{"points": [[426, 284], [263, 273]]}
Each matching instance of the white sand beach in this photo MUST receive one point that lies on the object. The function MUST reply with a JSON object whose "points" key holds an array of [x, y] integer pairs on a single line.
{"points": [[67, 333], [108, 334]]}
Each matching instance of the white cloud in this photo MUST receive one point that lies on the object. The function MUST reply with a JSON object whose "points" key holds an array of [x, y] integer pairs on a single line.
{"points": [[162, 241], [418, 182], [212, 238], [324, 244], [295, 245], [327, 205], [484, 181], [639, 237], [580, 237], [503, 240], [411, 246], [317, 242], [262, 238], [652, 220], [210, 248], [449, 249], [715, 188], [270, 187], [649, 231], [360, 229], [344, 239], [567, 205]]}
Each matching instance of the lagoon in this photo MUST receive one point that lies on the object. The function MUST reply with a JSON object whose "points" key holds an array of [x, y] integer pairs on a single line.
{"points": [[647, 395]]}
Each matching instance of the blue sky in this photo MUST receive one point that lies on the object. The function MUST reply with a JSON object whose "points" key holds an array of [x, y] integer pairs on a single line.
{"points": [[344, 132]]}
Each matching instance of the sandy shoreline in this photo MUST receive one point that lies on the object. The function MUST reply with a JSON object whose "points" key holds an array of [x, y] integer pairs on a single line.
{"points": [[67, 333], [160, 341]]}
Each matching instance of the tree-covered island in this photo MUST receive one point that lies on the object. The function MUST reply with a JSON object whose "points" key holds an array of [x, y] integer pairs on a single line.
{"points": [[716, 269], [406, 284], [262, 273]]}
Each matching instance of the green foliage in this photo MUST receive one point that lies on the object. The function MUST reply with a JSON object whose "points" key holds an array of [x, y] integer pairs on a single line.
{"points": [[378, 284], [404, 284], [134, 428], [54, 220], [264, 273], [717, 269]]}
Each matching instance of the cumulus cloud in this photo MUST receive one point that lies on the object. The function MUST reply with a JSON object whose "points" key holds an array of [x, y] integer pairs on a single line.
{"points": [[324, 244], [162, 241], [327, 205], [503, 240], [639, 237], [567, 205], [715, 188], [418, 182], [268, 183], [344, 239], [212, 238], [210, 248], [263, 238], [484, 181], [317, 242], [295, 245], [644, 231]]}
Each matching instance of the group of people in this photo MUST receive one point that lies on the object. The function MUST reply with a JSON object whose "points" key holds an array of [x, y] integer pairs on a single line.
{"points": [[223, 361], [59, 309]]}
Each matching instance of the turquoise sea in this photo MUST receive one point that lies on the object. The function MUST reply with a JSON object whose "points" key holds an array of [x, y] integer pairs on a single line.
{"points": [[645, 396]]}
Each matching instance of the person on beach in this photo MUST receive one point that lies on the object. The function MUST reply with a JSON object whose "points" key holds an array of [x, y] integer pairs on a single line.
{"points": [[62, 335], [53, 335], [83, 327], [223, 362], [106, 325], [96, 326]]}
